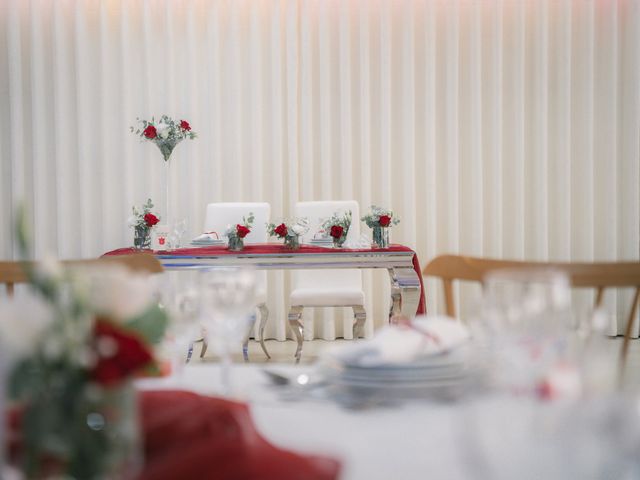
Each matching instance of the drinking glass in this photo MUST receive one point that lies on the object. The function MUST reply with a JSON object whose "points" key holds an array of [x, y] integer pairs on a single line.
{"points": [[179, 229], [228, 302], [181, 300], [525, 322]]}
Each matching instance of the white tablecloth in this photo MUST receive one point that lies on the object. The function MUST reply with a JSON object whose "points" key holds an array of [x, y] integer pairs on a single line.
{"points": [[414, 441], [495, 437]]}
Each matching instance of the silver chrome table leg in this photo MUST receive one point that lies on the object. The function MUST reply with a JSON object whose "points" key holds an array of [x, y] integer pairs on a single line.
{"points": [[360, 317], [406, 282], [264, 316], [295, 315]]}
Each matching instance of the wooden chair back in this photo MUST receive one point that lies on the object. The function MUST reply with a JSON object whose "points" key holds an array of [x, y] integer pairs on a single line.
{"points": [[599, 276], [12, 273]]}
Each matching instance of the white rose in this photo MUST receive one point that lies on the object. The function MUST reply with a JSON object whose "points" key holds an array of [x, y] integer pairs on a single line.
{"points": [[299, 229], [132, 221], [163, 130], [23, 321], [118, 293], [229, 230]]}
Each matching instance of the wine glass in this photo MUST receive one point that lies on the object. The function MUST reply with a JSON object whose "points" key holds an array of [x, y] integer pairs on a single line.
{"points": [[228, 300], [526, 321], [182, 304], [179, 229]]}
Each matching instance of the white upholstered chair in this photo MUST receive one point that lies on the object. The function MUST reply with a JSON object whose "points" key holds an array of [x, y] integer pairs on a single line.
{"points": [[218, 217], [325, 288]]}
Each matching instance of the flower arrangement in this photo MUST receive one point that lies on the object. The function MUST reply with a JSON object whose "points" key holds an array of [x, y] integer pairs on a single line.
{"points": [[380, 217], [89, 333], [379, 220], [166, 133], [290, 231], [338, 226], [236, 233], [143, 220]]}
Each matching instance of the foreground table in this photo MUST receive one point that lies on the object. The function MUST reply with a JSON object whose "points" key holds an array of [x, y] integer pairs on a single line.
{"points": [[413, 441]]}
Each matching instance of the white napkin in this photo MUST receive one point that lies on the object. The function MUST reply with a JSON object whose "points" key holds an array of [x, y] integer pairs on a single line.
{"points": [[361, 243], [398, 344], [207, 237]]}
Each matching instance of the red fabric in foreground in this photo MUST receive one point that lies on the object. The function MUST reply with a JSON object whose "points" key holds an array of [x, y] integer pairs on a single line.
{"points": [[263, 248], [192, 436]]}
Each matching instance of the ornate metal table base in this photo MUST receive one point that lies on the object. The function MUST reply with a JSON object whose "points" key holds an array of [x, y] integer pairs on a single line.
{"points": [[405, 281]]}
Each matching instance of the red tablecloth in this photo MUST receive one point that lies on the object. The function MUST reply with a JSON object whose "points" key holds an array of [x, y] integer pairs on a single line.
{"points": [[188, 436], [266, 248]]}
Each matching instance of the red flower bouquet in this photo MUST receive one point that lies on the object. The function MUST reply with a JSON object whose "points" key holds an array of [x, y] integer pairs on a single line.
{"points": [[237, 233]]}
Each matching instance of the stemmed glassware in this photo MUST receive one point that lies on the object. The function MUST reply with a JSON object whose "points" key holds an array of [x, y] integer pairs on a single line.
{"points": [[526, 322], [542, 420], [228, 302], [178, 230]]}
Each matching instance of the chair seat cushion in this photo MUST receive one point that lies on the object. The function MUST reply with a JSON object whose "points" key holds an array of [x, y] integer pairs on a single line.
{"points": [[327, 297]]}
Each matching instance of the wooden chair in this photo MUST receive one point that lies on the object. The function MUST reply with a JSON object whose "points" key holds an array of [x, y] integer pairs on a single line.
{"points": [[581, 275], [12, 273]]}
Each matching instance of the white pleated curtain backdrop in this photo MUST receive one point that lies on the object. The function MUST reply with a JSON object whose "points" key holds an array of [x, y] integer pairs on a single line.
{"points": [[500, 128]]}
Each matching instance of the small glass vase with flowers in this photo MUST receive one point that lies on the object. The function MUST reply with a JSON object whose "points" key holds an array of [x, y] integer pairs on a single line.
{"points": [[289, 231], [236, 233], [142, 221], [380, 220], [338, 227]]}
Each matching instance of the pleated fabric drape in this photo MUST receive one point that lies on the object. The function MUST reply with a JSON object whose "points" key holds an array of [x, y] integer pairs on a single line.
{"points": [[503, 128]]}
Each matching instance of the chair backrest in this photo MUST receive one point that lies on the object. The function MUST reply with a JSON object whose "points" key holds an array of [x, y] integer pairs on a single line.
{"points": [[317, 213], [581, 275], [12, 273], [220, 215]]}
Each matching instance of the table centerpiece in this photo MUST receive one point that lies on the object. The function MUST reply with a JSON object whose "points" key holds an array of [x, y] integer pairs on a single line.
{"points": [[338, 227], [166, 134], [76, 339], [236, 233], [290, 231], [380, 220], [142, 221]]}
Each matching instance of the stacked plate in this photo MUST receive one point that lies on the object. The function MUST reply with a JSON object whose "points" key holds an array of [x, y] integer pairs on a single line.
{"points": [[322, 242], [447, 375], [206, 240]]}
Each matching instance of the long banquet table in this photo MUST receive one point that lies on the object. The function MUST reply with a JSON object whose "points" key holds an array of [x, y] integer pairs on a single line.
{"points": [[407, 291]]}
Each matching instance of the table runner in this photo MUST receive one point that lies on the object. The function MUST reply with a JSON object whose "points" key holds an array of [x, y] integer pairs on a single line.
{"points": [[273, 248]]}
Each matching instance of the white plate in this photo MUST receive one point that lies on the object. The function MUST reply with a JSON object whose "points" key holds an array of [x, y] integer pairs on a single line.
{"points": [[207, 243]]}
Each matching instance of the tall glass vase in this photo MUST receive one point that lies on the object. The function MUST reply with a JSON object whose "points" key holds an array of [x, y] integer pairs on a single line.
{"points": [[167, 191], [166, 147]]}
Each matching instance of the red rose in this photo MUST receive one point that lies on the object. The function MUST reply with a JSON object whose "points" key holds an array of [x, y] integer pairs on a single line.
{"points": [[336, 231], [150, 219], [120, 353], [150, 132], [384, 220], [281, 230], [185, 125], [242, 231]]}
